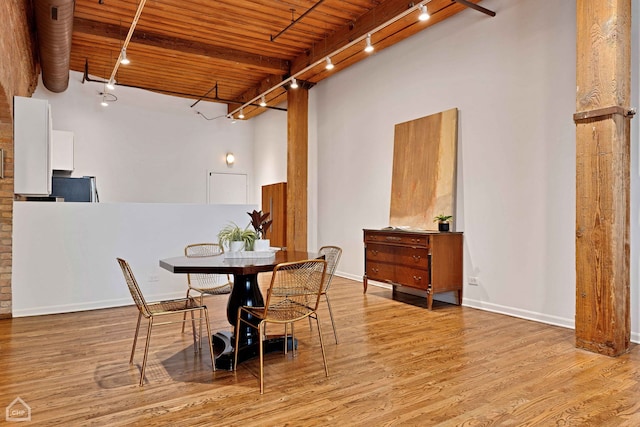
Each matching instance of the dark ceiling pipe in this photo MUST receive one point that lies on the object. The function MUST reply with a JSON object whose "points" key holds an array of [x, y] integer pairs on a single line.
{"points": [[54, 26]]}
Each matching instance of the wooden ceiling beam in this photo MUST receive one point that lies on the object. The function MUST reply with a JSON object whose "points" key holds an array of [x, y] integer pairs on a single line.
{"points": [[258, 62]]}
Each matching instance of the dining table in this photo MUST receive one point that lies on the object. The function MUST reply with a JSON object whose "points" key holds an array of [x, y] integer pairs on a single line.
{"points": [[245, 292]]}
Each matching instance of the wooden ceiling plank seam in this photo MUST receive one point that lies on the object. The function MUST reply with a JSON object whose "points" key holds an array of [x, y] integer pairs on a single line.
{"points": [[271, 64]]}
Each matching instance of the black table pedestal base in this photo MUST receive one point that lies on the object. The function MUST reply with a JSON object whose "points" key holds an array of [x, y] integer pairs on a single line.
{"points": [[224, 342]]}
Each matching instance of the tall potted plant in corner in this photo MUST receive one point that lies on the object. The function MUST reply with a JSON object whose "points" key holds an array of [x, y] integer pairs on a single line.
{"points": [[260, 224], [235, 238], [443, 221]]}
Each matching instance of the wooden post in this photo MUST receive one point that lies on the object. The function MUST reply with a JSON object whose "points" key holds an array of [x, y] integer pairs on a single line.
{"points": [[297, 157], [602, 175]]}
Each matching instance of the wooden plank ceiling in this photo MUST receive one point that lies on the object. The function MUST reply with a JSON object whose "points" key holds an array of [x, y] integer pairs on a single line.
{"points": [[222, 50]]}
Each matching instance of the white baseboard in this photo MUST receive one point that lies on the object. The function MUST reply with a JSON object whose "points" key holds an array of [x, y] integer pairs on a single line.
{"points": [[85, 306]]}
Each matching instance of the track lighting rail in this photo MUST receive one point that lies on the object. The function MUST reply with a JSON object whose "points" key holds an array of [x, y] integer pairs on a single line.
{"points": [[294, 22], [475, 6]]}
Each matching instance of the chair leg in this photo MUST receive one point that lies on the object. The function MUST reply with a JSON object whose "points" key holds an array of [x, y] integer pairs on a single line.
{"points": [[206, 318], [184, 317], [196, 341], [146, 351], [324, 358], [260, 330], [293, 340], [286, 327], [235, 352], [333, 323], [135, 338], [200, 322]]}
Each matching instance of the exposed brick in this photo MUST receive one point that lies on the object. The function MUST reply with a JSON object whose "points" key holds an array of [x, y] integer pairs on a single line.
{"points": [[18, 76]]}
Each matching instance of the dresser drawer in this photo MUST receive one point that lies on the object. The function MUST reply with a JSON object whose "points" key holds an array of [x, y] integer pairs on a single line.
{"points": [[397, 238], [390, 273], [412, 257]]}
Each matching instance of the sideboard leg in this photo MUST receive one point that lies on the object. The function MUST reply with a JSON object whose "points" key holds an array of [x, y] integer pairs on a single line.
{"points": [[364, 282], [429, 299]]}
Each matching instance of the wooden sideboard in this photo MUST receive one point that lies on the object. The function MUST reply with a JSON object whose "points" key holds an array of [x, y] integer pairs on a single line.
{"points": [[430, 261]]}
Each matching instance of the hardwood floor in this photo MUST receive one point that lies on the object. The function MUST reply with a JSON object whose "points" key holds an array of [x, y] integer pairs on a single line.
{"points": [[396, 364]]}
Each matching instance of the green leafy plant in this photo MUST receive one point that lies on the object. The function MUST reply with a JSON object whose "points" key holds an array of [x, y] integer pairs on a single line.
{"points": [[442, 218], [259, 222], [233, 233]]}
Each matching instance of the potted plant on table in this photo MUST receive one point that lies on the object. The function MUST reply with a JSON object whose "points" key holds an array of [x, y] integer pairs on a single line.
{"points": [[235, 238], [443, 221], [260, 224]]}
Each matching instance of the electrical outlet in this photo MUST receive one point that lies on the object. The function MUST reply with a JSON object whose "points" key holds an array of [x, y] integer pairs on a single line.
{"points": [[474, 281], [153, 278]]}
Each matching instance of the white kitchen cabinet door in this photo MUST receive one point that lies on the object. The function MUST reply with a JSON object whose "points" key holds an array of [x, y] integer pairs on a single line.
{"points": [[62, 150], [32, 146]]}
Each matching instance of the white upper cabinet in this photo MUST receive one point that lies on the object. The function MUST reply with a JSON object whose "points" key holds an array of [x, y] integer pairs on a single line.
{"points": [[32, 146], [62, 150]]}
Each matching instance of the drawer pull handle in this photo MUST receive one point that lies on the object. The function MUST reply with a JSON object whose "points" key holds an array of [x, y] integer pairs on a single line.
{"points": [[375, 270], [417, 258], [394, 238], [417, 278], [374, 252]]}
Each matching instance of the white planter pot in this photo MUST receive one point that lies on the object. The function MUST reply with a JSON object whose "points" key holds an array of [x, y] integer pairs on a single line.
{"points": [[236, 246], [261, 245]]}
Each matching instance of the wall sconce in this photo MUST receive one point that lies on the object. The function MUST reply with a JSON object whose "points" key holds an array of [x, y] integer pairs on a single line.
{"points": [[231, 159]]}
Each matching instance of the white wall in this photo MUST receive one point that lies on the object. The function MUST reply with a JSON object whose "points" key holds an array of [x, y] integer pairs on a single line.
{"points": [[147, 147], [512, 77], [269, 149], [64, 254]]}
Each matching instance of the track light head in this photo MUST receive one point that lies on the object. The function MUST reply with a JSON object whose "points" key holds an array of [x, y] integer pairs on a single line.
{"points": [[263, 102], [424, 14], [294, 83], [111, 84], [329, 65], [241, 114], [368, 48], [123, 57]]}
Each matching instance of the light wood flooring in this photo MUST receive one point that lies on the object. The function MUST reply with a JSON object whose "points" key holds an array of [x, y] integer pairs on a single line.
{"points": [[396, 365]]}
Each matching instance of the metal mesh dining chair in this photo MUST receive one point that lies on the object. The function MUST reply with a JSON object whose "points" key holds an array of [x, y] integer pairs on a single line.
{"points": [[206, 284], [151, 310], [332, 256], [293, 295]]}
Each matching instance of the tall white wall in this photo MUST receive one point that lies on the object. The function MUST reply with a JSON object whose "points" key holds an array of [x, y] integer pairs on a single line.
{"points": [[147, 147]]}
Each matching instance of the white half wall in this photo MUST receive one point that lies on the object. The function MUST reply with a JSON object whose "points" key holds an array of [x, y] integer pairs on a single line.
{"points": [[64, 254]]}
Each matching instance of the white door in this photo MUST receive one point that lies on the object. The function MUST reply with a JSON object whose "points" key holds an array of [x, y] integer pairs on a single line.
{"points": [[227, 188]]}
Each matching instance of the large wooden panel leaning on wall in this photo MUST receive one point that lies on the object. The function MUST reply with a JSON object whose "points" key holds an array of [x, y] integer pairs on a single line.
{"points": [[430, 261]]}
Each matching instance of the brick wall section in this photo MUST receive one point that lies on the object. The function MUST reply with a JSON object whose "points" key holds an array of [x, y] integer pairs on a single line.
{"points": [[18, 76]]}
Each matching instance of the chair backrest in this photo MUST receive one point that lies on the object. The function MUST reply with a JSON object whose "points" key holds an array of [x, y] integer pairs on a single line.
{"points": [[295, 289], [332, 255], [134, 289], [204, 250]]}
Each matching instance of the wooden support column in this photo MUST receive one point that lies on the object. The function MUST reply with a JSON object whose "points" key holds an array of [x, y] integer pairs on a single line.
{"points": [[297, 157], [602, 175]]}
